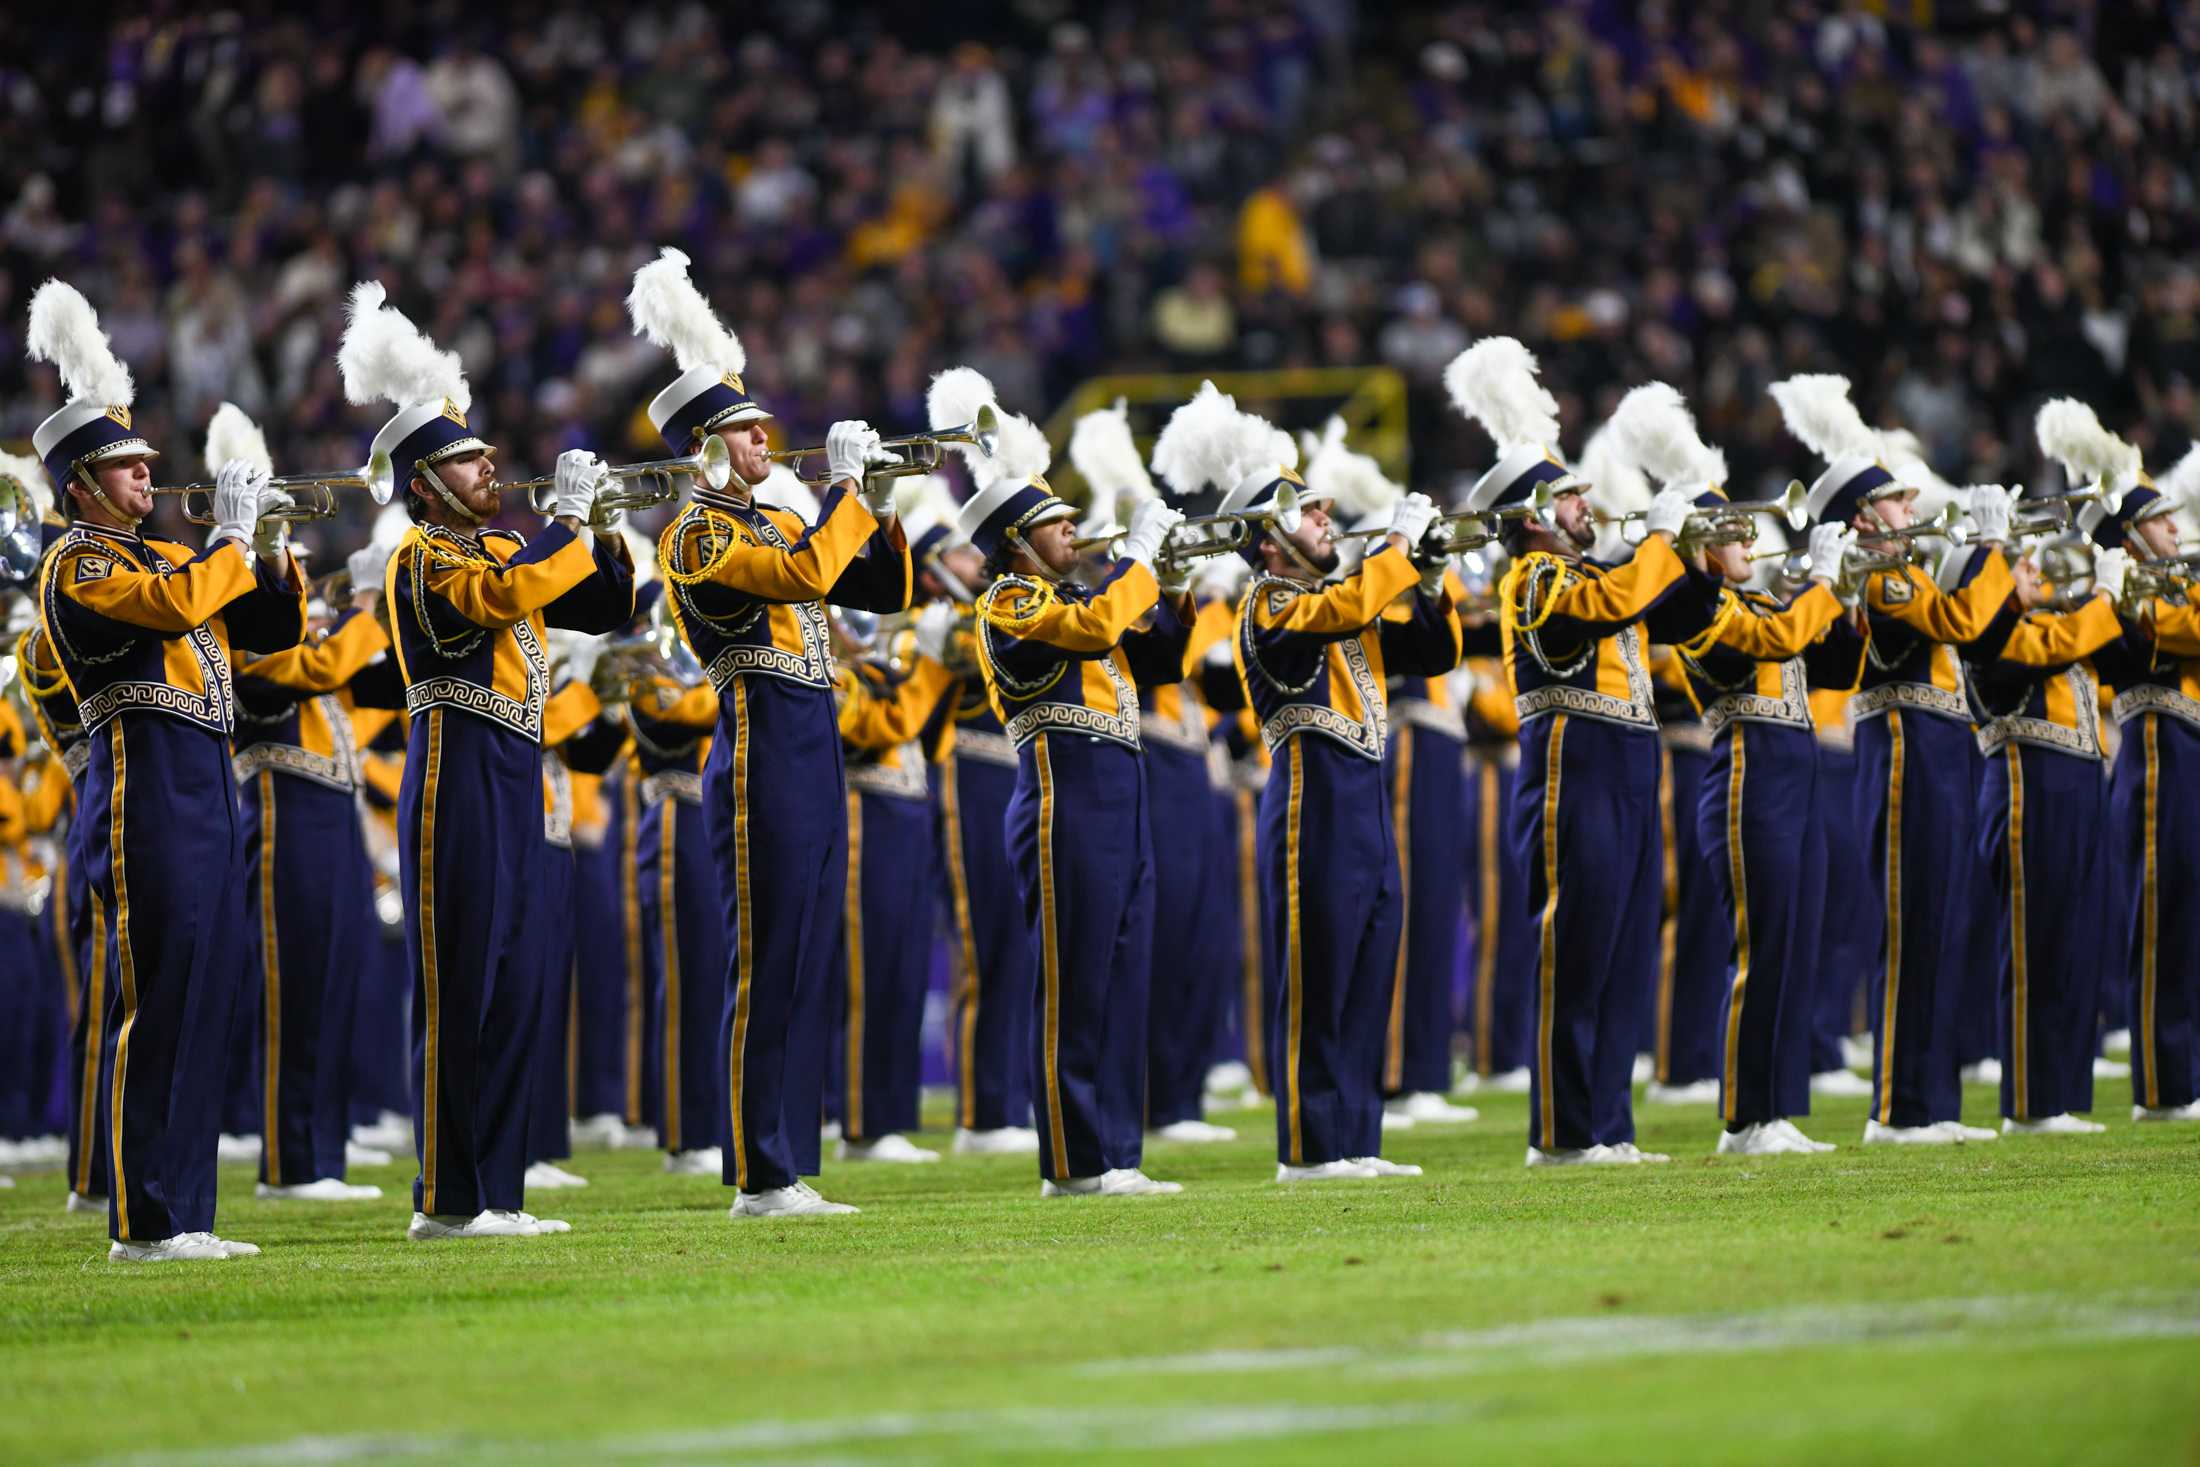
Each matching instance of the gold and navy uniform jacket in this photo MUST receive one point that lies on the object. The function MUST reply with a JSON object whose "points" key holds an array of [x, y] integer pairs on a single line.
{"points": [[967, 727], [1314, 659], [1574, 632], [2155, 666], [1175, 714], [147, 627], [671, 726], [1912, 629], [289, 716], [1059, 657], [2032, 686], [748, 584], [469, 615], [882, 713], [1758, 660], [1433, 702], [569, 710], [52, 705]]}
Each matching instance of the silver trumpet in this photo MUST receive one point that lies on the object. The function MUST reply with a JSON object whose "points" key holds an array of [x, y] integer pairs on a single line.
{"points": [[1212, 534], [1733, 523], [639, 486], [921, 453], [22, 543], [312, 496], [1450, 534]]}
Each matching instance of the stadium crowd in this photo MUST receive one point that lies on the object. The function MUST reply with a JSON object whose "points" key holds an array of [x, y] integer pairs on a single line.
{"points": [[1967, 219]]}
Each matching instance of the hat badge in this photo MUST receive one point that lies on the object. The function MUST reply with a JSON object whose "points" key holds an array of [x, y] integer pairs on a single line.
{"points": [[450, 410], [120, 412]]}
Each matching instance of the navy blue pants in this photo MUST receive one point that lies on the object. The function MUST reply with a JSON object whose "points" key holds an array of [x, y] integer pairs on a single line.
{"points": [[1329, 865], [165, 855], [1764, 862], [1695, 937], [1585, 828], [469, 825], [1915, 808], [1428, 806], [380, 1043], [2039, 811], [546, 938], [1977, 1036], [1850, 925], [2151, 799], [1078, 838], [774, 797], [306, 886], [989, 1020], [86, 936], [1187, 982], [1258, 985], [685, 943], [598, 1081], [874, 1054], [20, 977], [1500, 953]]}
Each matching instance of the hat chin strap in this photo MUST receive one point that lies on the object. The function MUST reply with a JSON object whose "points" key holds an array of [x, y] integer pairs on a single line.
{"points": [[91, 483], [451, 502], [1024, 548], [1297, 557]]}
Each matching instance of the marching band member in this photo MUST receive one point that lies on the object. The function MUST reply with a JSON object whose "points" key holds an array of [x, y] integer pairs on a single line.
{"points": [[748, 587], [1501, 957], [1061, 664], [2156, 673], [1313, 661], [305, 873], [1585, 795], [143, 631], [1749, 674], [548, 942], [1913, 747], [878, 1008], [469, 606]]}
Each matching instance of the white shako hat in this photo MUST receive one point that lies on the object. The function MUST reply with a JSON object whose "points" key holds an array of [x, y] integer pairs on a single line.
{"points": [[666, 307]]}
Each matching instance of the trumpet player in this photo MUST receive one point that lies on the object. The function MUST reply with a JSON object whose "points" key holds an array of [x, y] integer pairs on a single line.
{"points": [[1585, 812], [143, 631], [1912, 736], [1061, 665], [1749, 674], [1313, 660], [469, 608], [748, 588]]}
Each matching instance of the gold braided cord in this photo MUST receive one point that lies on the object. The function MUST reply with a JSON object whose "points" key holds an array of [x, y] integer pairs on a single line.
{"points": [[36, 682], [1537, 569], [1730, 606], [421, 547], [715, 522]]}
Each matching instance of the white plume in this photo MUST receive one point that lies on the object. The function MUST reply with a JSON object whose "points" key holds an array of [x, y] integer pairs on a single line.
{"points": [[230, 434], [1494, 382], [2181, 485], [665, 306], [784, 487], [1817, 411], [1022, 455], [2072, 435], [31, 474], [64, 330], [1354, 480], [1208, 441], [953, 400], [1104, 452], [643, 551], [1620, 485], [1220, 577], [922, 501], [1656, 430], [385, 358]]}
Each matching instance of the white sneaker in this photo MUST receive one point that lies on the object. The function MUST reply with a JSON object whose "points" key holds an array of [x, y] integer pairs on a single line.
{"points": [[1393, 1121], [999, 1141], [7, 1181], [182, 1248], [605, 1128], [358, 1155], [1757, 1140], [38, 1150], [635, 1138], [543, 1176], [2167, 1112], [389, 1132], [1071, 1187], [541, 1224], [1968, 1133], [1228, 1079], [1696, 1092], [489, 1223], [1628, 1153], [696, 1161], [2116, 1041], [1129, 1181], [1856, 1051], [830, 1131], [1507, 1082], [78, 1202], [231, 1248], [11, 1152], [798, 1200], [1842, 1084], [1196, 1132], [231, 1150], [2062, 1125], [1327, 1171], [2105, 1068], [1427, 1105], [1382, 1168], [1789, 1129], [321, 1189], [893, 1146], [1876, 1134], [1986, 1072], [1579, 1156]]}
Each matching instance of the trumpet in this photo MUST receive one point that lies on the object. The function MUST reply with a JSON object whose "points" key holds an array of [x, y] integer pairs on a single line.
{"points": [[312, 496], [22, 544], [639, 486], [1213, 534], [2055, 512], [1734, 523], [1450, 534], [921, 452], [2169, 579]]}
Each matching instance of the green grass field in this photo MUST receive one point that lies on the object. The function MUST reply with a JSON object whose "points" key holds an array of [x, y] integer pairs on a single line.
{"points": [[2032, 1300]]}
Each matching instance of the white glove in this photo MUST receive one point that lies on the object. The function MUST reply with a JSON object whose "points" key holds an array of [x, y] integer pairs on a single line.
{"points": [[1175, 576], [366, 565], [1668, 512], [237, 487], [935, 624], [1991, 509], [2110, 570], [578, 477], [850, 448], [1432, 578], [271, 537], [1829, 546], [1411, 516], [1151, 522], [580, 658]]}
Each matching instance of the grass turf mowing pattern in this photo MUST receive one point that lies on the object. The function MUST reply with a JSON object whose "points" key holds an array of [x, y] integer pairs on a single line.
{"points": [[2033, 1299]]}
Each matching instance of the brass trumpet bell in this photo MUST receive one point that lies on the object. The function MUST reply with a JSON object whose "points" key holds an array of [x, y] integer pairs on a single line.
{"points": [[312, 496], [642, 485], [922, 453]]}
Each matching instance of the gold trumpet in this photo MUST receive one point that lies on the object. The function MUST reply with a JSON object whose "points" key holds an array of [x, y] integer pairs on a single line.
{"points": [[2056, 516], [1452, 534], [639, 486], [312, 496], [922, 452], [2170, 578], [1214, 534], [1733, 523]]}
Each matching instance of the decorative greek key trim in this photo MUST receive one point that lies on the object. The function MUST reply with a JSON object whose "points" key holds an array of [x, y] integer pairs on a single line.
{"points": [[1047, 717], [1187, 734], [1635, 710], [1421, 713], [903, 780], [76, 758], [1696, 736], [292, 760], [466, 697], [210, 713], [2154, 698], [1792, 707], [1294, 718], [557, 811], [684, 785], [2084, 740], [1924, 697], [985, 747], [1838, 737]]}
